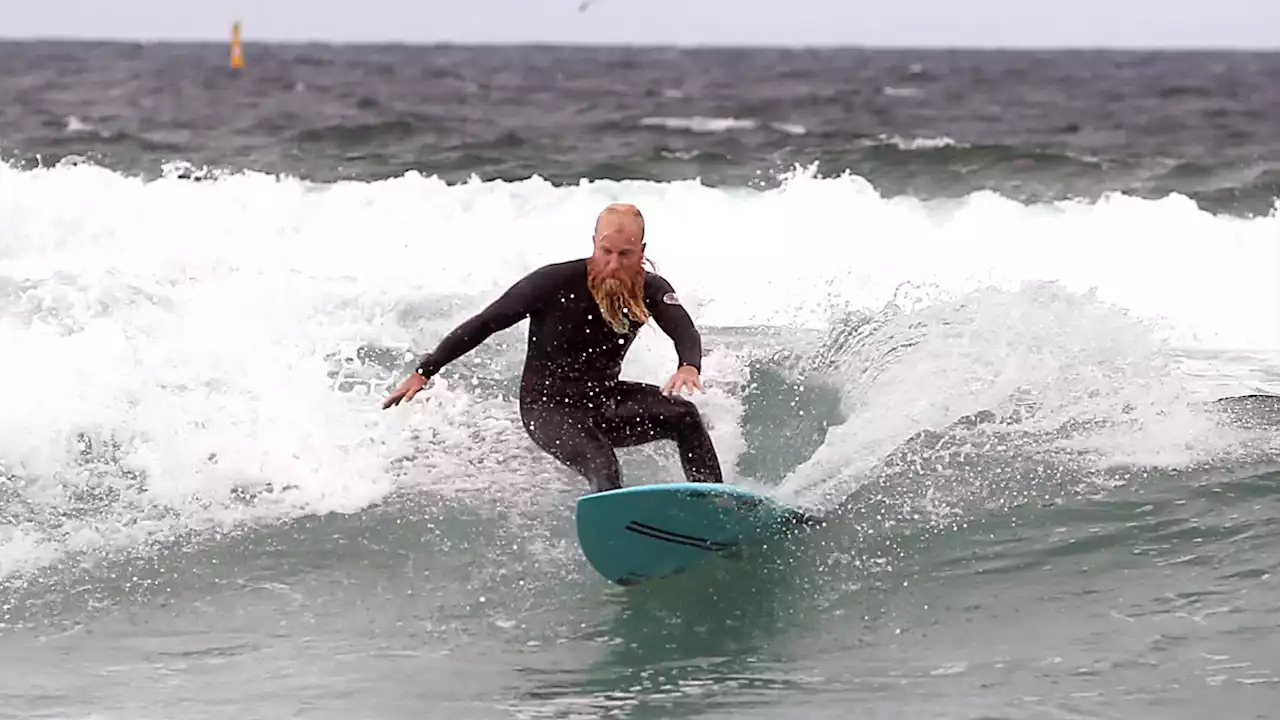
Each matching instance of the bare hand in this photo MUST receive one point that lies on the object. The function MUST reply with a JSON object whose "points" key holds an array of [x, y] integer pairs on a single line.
{"points": [[406, 391], [686, 378]]}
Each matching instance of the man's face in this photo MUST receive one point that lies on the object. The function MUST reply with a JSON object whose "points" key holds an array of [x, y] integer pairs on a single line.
{"points": [[615, 272], [619, 252]]}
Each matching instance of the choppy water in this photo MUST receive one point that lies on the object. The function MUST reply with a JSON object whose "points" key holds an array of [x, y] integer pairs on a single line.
{"points": [[1017, 331]]}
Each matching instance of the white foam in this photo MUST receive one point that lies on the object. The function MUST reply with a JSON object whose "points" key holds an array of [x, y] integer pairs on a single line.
{"points": [[704, 124], [188, 320], [913, 143], [1072, 357]]}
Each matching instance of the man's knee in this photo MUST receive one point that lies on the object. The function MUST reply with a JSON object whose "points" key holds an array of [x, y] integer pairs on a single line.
{"points": [[572, 444], [541, 432], [684, 414]]}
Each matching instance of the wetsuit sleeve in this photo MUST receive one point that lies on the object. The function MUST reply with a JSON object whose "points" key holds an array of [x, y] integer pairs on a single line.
{"points": [[513, 306], [665, 307]]}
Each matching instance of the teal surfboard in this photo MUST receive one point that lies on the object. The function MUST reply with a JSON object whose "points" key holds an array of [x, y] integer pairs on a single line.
{"points": [[643, 533]]}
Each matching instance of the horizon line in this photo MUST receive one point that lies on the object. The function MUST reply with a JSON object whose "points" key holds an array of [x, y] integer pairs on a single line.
{"points": [[250, 41]]}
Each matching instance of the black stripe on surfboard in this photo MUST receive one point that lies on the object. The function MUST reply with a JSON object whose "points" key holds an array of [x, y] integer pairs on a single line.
{"points": [[674, 540], [677, 538], [674, 534]]}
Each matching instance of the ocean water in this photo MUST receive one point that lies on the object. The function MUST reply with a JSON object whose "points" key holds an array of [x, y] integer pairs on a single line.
{"points": [[1010, 319]]}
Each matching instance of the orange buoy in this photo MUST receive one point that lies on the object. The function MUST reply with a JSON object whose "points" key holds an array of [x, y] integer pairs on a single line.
{"points": [[237, 48]]}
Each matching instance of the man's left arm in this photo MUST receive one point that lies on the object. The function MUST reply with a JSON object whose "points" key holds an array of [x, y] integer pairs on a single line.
{"points": [[675, 321]]}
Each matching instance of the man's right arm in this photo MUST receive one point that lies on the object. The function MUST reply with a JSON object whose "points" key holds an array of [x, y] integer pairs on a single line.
{"points": [[514, 305]]}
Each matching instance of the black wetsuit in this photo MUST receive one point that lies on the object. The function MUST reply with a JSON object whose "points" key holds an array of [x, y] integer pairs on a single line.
{"points": [[571, 401]]}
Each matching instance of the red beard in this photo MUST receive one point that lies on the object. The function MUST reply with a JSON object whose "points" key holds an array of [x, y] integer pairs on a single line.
{"points": [[621, 299]]}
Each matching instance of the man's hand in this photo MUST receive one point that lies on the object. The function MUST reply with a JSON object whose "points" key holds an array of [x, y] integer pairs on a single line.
{"points": [[685, 378], [406, 391]]}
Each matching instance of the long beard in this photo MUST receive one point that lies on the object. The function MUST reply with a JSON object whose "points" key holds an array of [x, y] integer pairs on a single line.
{"points": [[621, 300]]}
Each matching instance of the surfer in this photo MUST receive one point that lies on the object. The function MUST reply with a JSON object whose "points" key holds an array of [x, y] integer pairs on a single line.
{"points": [[583, 317]]}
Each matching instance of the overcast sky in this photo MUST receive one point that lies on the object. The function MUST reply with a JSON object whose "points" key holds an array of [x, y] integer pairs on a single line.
{"points": [[1134, 23]]}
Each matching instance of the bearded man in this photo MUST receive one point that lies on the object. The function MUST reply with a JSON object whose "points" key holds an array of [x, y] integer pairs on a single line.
{"points": [[583, 317]]}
